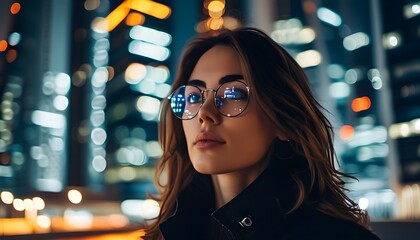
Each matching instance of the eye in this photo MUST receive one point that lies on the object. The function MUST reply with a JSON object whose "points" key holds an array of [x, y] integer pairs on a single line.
{"points": [[219, 102], [235, 93], [194, 98]]}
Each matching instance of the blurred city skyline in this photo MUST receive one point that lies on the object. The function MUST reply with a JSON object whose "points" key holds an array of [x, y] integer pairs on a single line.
{"points": [[82, 82]]}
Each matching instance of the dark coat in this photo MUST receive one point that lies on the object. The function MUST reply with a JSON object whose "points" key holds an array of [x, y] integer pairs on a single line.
{"points": [[258, 212]]}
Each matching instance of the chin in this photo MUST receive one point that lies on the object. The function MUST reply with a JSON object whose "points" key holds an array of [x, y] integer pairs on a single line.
{"points": [[206, 170], [209, 169]]}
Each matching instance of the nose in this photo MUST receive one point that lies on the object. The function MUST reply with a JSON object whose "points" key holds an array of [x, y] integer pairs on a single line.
{"points": [[208, 112]]}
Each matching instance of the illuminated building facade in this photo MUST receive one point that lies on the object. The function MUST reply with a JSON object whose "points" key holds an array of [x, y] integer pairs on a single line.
{"points": [[35, 93]]}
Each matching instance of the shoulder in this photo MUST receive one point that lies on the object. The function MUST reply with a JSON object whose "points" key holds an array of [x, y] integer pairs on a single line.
{"points": [[308, 223]]}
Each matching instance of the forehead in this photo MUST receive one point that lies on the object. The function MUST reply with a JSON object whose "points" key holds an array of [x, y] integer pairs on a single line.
{"points": [[217, 62]]}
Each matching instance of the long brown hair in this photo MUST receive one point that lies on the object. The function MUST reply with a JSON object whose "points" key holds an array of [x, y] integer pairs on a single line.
{"points": [[280, 88]]}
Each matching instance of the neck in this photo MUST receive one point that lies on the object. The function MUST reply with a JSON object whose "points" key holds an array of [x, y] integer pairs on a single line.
{"points": [[229, 185]]}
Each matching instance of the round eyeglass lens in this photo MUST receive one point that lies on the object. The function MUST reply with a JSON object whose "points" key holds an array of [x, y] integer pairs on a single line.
{"points": [[186, 101], [232, 98]]}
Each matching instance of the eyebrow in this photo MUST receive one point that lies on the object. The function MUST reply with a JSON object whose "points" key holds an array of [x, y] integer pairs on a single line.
{"points": [[225, 79]]}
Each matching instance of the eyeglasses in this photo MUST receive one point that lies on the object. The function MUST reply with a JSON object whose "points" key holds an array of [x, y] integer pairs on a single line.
{"points": [[230, 99]]}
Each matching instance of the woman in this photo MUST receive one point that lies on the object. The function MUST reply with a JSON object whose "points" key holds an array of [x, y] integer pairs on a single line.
{"points": [[247, 152]]}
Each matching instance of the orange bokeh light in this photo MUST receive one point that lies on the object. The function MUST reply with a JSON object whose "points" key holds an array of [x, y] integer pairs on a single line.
{"points": [[15, 8], [309, 6], [116, 16], [360, 104], [15, 226], [151, 8], [4, 159], [3, 45], [11, 55], [346, 132], [134, 18]]}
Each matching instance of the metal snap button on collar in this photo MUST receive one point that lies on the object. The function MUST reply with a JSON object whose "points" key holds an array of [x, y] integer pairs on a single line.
{"points": [[246, 222]]}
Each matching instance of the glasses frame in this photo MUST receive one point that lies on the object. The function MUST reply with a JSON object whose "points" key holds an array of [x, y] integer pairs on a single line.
{"points": [[203, 99]]}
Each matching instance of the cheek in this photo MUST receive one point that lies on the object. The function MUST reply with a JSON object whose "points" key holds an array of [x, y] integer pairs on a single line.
{"points": [[252, 138], [255, 136], [254, 125]]}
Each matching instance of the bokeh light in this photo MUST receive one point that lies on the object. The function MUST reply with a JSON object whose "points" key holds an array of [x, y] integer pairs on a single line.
{"points": [[74, 196]]}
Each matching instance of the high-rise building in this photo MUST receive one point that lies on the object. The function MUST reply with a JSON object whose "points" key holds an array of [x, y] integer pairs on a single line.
{"points": [[400, 39]]}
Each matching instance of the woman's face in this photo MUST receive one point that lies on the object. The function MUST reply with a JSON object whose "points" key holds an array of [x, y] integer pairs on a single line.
{"points": [[218, 144]]}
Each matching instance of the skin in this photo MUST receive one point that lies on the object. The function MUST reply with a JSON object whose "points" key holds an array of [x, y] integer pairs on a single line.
{"points": [[236, 153]]}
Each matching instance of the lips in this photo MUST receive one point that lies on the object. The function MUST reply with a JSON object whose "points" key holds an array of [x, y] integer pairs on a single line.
{"points": [[207, 139]]}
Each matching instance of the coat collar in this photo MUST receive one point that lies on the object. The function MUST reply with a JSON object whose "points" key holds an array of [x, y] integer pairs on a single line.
{"points": [[259, 207]]}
